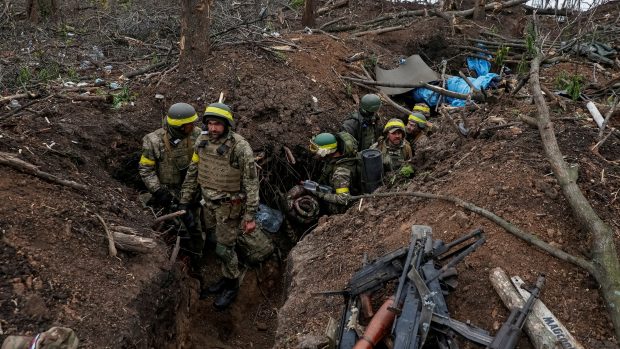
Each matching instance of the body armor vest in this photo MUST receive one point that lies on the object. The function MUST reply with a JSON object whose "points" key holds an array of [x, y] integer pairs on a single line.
{"points": [[215, 170], [174, 161], [397, 155]]}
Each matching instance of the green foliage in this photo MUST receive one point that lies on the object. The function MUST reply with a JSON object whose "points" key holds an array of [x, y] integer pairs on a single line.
{"points": [[122, 97], [371, 62], [501, 54], [24, 76], [406, 171], [530, 40], [522, 67], [48, 72], [573, 84], [296, 4], [72, 74], [349, 89]]}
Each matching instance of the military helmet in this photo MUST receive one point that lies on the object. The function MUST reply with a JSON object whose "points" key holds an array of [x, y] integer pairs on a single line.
{"points": [[323, 144], [181, 114], [220, 112], [422, 108], [419, 119], [394, 125], [370, 103]]}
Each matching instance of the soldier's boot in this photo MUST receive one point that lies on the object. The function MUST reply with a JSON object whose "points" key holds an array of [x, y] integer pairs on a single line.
{"points": [[214, 288], [228, 295]]}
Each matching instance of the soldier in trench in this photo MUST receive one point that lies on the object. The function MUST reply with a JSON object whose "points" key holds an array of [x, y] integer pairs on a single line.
{"points": [[340, 171], [396, 151], [166, 155], [363, 124], [224, 172]]}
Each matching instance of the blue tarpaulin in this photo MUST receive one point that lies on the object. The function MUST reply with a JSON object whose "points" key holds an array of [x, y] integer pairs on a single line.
{"points": [[479, 65], [454, 84]]}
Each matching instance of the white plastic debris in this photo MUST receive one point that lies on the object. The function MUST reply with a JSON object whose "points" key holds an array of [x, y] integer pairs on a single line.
{"points": [[596, 115], [114, 86], [14, 104], [159, 96]]}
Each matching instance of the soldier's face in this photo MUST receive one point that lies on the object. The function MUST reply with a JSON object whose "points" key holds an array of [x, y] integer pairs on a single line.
{"points": [[216, 128], [411, 126], [187, 129], [395, 137]]}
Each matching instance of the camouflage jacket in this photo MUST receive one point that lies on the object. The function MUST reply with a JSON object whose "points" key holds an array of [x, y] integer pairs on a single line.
{"points": [[364, 130], [341, 173], [241, 157], [394, 157], [163, 162]]}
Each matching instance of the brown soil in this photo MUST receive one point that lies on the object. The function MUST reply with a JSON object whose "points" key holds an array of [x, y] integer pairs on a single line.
{"points": [[54, 265]]}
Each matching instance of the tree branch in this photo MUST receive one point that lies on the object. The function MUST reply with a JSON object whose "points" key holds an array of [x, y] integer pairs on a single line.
{"points": [[509, 227]]}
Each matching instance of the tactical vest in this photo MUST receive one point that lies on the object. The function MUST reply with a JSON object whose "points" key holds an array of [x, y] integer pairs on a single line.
{"points": [[365, 133], [175, 160], [397, 155], [215, 170]]}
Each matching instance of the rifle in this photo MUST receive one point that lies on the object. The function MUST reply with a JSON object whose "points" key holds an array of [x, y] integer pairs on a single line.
{"points": [[508, 335]]}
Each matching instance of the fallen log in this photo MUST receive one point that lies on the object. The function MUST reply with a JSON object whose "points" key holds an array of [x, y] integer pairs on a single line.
{"points": [[143, 70], [379, 31], [133, 243], [16, 96], [540, 334], [337, 4], [11, 161], [85, 98]]}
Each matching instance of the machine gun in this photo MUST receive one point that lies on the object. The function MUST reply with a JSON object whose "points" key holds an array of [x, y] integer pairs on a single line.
{"points": [[413, 311]]}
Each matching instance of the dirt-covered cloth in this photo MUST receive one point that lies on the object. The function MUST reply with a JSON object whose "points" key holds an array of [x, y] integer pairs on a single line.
{"points": [[54, 338], [165, 159], [224, 171], [364, 128], [394, 156], [341, 174]]}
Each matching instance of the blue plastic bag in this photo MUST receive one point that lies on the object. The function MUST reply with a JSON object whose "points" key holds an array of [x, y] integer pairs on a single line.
{"points": [[270, 219]]}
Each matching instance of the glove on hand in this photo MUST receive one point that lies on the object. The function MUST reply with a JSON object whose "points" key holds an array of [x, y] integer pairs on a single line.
{"points": [[188, 217]]}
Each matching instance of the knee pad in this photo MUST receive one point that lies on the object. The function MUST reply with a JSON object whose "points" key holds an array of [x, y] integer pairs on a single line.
{"points": [[225, 253]]}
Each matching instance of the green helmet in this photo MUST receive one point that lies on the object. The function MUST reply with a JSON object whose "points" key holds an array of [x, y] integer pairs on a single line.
{"points": [[418, 118], [324, 144], [370, 103], [393, 125], [181, 114], [220, 112]]}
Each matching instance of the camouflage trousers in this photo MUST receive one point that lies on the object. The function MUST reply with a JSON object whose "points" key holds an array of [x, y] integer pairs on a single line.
{"points": [[224, 219]]}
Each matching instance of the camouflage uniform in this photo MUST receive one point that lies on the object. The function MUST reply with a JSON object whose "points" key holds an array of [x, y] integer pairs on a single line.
{"points": [[394, 156], [341, 174], [225, 172], [165, 164], [365, 129]]}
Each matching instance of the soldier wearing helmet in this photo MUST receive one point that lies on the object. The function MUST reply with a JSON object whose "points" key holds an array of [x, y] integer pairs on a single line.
{"points": [[339, 154], [363, 124], [418, 128], [166, 156], [224, 171], [396, 151]]}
